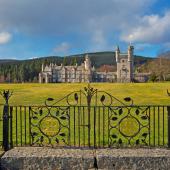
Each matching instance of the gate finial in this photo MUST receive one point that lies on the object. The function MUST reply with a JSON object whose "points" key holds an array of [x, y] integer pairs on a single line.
{"points": [[90, 91], [6, 94]]}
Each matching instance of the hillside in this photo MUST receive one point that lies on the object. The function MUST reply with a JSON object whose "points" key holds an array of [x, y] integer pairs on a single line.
{"points": [[27, 70], [165, 55]]}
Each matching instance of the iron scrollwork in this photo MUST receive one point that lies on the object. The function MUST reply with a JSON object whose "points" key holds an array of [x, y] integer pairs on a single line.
{"points": [[89, 96], [129, 126], [50, 126]]}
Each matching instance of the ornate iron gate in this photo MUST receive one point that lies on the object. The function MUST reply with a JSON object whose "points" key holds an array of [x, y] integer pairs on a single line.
{"points": [[89, 118]]}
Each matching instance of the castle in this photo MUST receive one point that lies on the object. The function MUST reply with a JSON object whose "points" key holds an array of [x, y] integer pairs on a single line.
{"points": [[86, 73]]}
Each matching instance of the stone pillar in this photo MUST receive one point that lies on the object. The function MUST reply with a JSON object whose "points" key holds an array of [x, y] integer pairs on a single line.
{"points": [[40, 78], [46, 78]]}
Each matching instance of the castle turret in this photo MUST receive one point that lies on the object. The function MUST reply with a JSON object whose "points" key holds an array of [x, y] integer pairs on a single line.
{"points": [[131, 62], [117, 52], [88, 71], [87, 63], [42, 67], [130, 53]]}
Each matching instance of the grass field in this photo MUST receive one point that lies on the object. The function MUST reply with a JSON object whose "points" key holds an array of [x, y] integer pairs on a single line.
{"points": [[141, 93]]}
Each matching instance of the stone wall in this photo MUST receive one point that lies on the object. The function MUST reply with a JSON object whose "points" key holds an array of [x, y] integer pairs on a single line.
{"points": [[36, 158]]}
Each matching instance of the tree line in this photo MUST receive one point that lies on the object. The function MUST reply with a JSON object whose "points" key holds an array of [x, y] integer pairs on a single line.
{"points": [[159, 69], [17, 71], [28, 70]]}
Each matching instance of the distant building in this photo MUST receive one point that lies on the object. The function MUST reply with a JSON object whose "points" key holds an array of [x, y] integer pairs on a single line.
{"points": [[125, 65], [54, 73], [86, 73]]}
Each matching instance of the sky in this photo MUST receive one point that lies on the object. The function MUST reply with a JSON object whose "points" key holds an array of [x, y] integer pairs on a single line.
{"points": [[38, 28]]}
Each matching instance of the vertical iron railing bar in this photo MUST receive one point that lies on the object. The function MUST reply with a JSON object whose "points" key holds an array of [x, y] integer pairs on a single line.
{"points": [[79, 125], [74, 126], [16, 111], [94, 127], [69, 132], [96, 96], [154, 126], [80, 113], [99, 125], [21, 124], [163, 126], [149, 126], [103, 126], [108, 122], [168, 122], [25, 117], [30, 142], [89, 126], [11, 127], [80, 98], [158, 126], [84, 135], [6, 127]]}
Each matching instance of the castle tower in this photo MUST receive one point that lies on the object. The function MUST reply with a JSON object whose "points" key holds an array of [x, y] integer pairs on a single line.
{"points": [[131, 62], [124, 65], [117, 52], [87, 63], [42, 67], [88, 69]]}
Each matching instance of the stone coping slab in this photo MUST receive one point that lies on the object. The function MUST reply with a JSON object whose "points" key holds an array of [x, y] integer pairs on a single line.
{"points": [[32, 158], [47, 151]]}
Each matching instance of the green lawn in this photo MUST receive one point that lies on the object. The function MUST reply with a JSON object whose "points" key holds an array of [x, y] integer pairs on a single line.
{"points": [[141, 93]]}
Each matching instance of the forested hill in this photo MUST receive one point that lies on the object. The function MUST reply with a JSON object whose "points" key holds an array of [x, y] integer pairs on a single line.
{"points": [[28, 70]]}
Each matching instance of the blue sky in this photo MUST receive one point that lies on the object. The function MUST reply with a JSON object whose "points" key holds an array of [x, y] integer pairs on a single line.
{"points": [[38, 28]]}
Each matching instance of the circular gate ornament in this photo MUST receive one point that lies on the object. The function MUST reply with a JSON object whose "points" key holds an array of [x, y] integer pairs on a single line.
{"points": [[129, 126], [49, 126]]}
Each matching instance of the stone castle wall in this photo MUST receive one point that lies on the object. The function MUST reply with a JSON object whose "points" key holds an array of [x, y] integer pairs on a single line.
{"points": [[86, 73]]}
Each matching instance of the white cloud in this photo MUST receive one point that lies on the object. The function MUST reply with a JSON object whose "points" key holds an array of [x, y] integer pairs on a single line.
{"points": [[61, 17], [5, 37], [62, 48], [151, 29], [94, 24]]}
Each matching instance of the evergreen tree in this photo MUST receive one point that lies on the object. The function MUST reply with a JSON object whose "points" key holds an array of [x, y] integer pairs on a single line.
{"points": [[64, 61]]}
